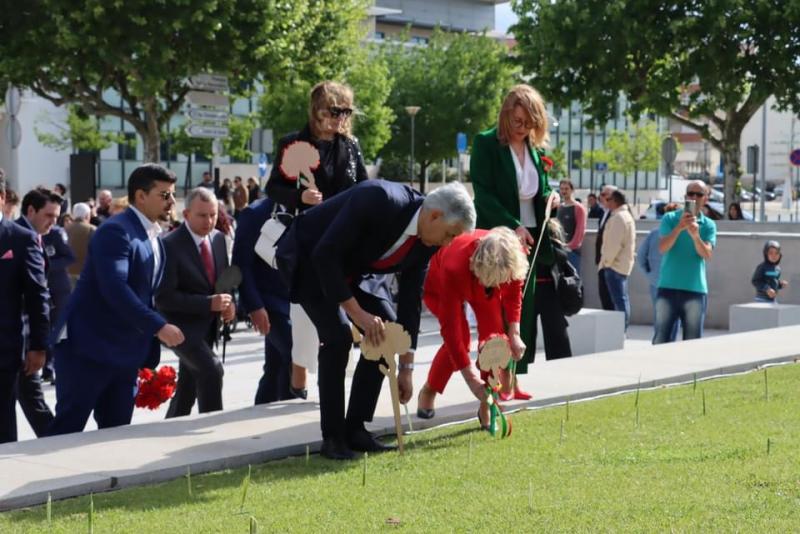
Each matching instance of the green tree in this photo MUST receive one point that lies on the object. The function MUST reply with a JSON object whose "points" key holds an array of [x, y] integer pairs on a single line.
{"points": [[708, 65], [458, 81], [84, 52], [81, 132], [336, 52], [628, 152], [559, 156]]}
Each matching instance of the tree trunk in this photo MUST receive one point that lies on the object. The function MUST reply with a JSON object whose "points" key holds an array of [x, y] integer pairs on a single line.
{"points": [[151, 136], [423, 178], [731, 155]]}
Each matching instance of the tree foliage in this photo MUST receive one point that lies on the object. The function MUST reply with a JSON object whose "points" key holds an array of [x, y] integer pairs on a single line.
{"points": [[458, 81], [81, 132], [336, 53], [709, 65], [626, 152], [71, 51]]}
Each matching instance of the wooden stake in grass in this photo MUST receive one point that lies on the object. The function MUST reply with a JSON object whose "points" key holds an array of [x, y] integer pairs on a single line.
{"points": [[49, 508], [253, 525], [769, 445], [364, 472], [766, 386], [704, 401], [245, 486], [567, 409], [410, 426], [530, 496], [561, 436], [308, 454], [694, 384], [189, 480], [91, 513]]}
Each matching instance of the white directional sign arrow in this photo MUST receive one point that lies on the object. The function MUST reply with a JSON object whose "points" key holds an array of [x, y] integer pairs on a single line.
{"points": [[209, 100], [209, 82], [208, 114], [207, 131]]}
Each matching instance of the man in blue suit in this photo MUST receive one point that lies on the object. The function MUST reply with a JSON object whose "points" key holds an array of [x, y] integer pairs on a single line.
{"points": [[24, 289], [374, 227], [110, 327], [40, 211], [264, 296]]}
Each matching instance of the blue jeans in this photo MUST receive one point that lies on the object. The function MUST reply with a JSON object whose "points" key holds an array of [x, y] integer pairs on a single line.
{"points": [[574, 257], [617, 285], [673, 305], [654, 297]]}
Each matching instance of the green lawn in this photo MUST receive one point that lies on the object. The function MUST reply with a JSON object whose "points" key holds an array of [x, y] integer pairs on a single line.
{"points": [[678, 470]]}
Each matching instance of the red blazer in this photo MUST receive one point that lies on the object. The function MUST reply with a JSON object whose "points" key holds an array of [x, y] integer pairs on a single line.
{"points": [[450, 283]]}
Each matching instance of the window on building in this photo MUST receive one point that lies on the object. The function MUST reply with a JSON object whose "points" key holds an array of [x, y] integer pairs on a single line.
{"points": [[166, 151], [575, 159], [127, 150], [419, 40], [380, 35]]}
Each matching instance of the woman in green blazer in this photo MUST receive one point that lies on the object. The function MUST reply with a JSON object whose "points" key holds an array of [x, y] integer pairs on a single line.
{"points": [[508, 170]]}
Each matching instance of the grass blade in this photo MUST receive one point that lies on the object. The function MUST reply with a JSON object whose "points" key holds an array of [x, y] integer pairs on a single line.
{"points": [[364, 472], [766, 386], [561, 436], [91, 513], [189, 480], [567, 409], [253, 525], [704, 401], [308, 454], [49, 508], [530, 496]]}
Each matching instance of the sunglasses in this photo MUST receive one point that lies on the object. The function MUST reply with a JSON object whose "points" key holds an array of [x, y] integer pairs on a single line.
{"points": [[167, 195], [517, 123], [696, 194], [337, 112]]}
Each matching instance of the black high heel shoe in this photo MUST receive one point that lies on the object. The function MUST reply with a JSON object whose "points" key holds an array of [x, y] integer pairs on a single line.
{"points": [[299, 393], [425, 413]]}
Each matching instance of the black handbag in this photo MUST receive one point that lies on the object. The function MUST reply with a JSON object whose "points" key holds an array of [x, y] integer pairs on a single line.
{"points": [[569, 287]]}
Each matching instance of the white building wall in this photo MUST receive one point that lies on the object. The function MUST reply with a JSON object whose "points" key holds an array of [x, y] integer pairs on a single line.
{"points": [[463, 14], [779, 142]]}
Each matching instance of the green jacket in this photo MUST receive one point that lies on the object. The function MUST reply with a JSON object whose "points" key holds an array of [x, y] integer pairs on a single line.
{"points": [[494, 180]]}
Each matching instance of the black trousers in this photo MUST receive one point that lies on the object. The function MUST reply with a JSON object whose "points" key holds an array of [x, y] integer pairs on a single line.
{"points": [[336, 338], [554, 324], [275, 382], [8, 404], [605, 296], [199, 377], [31, 400]]}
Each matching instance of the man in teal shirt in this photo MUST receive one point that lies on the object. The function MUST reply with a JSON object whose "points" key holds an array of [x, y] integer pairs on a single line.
{"points": [[687, 241]]}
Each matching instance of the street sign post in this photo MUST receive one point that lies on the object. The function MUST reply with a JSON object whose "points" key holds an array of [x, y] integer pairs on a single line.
{"points": [[461, 142], [207, 132], [669, 151], [208, 115], [262, 165], [601, 166], [209, 82]]}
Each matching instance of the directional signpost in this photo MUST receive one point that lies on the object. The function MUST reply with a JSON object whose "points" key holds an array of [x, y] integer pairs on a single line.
{"points": [[669, 151], [208, 113], [794, 157], [461, 147]]}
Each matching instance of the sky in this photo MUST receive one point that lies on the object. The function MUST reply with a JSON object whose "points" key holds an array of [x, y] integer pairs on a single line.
{"points": [[503, 17]]}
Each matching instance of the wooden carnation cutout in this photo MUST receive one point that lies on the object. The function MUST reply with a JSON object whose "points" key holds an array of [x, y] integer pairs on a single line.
{"points": [[299, 161], [396, 341], [493, 357]]}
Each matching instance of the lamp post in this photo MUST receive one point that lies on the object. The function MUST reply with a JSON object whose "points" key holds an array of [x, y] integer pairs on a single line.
{"points": [[412, 111]]}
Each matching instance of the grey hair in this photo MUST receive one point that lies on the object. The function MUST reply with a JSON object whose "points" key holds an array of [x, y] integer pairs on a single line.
{"points": [[202, 193], [454, 202], [699, 183]]}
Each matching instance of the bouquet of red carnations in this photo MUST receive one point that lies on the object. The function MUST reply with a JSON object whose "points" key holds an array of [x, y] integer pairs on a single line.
{"points": [[155, 388]]}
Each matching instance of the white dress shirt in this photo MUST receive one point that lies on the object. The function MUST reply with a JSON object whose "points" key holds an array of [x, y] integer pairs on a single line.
{"points": [[528, 186], [153, 230], [411, 230]]}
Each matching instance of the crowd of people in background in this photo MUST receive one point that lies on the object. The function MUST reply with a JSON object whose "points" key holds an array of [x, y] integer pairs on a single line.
{"points": [[100, 285]]}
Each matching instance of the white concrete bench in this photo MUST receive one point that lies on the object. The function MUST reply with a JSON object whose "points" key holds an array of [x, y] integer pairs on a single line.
{"points": [[761, 315], [590, 331]]}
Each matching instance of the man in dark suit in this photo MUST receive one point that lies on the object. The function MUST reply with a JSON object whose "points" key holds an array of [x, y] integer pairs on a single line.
{"points": [[110, 328], [605, 296], [265, 297], [373, 227], [40, 211], [24, 289], [195, 256]]}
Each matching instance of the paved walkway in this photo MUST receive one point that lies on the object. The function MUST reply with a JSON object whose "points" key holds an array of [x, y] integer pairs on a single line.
{"points": [[153, 450]]}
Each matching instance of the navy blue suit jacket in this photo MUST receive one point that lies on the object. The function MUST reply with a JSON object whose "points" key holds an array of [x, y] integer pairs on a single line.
{"points": [[331, 246], [110, 316], [60, 256], [262, 286], [24, 290]]}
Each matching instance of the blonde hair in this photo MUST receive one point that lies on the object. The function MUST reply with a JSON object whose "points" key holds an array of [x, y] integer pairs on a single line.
{"points": [[531, 102], [118, 205], [325, 95], [498, 258]]}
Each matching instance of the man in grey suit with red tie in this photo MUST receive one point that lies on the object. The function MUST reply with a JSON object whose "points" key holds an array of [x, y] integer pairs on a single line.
{"points": [[374, 227], [195, 257], [24, 289]]}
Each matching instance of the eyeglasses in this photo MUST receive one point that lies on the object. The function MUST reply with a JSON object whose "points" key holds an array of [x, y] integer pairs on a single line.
{"points": [[517, 123], [696, 194], [337, 112], [167, 195]]}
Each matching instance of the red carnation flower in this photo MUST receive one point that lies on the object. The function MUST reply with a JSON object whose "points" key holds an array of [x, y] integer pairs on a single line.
{"points": [[547, 163], [153, 389]]}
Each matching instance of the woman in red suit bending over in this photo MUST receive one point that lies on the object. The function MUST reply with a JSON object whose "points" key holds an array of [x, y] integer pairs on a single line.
{"points": [[485, 269]]}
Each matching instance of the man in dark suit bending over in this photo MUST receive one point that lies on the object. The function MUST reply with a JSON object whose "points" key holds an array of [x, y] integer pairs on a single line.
{"points": [[195, 257], [373, 227]]}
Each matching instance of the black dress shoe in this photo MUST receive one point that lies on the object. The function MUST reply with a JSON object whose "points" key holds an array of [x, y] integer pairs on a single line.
{"points": [[425, 413], [363, 441], [299, 393], [336, 449]]}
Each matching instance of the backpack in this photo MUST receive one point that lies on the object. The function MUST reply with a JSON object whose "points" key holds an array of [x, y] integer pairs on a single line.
{"points": [[569, 287]]}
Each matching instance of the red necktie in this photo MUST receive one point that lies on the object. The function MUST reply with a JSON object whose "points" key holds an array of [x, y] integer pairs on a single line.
{"points": [[208, 261], [397, 256]]}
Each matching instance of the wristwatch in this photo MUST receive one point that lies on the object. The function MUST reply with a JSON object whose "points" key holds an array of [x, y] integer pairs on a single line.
{"points": [[406, 366]]}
